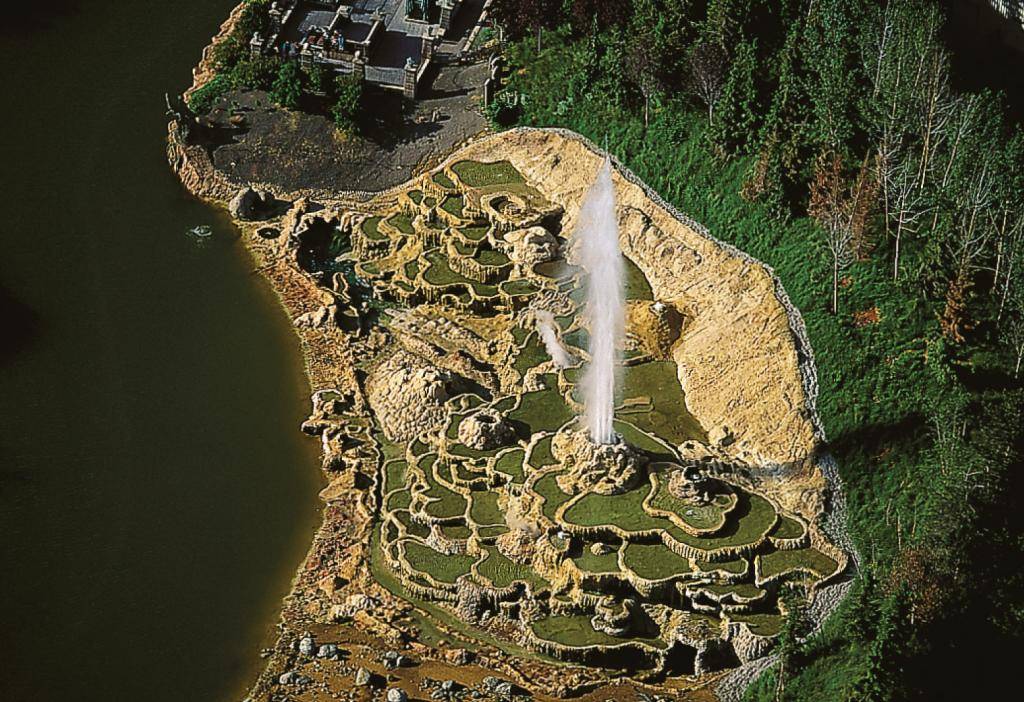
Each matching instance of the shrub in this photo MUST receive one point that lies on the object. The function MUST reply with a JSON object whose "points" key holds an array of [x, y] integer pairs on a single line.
{"points": [[287, 87], [318, 80], [202, 100], [349, 91], [254, 73]]}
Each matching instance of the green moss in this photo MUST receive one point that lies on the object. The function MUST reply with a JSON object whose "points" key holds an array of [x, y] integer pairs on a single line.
{"points": [[787, 528], [370, 227], [402, 222], [399, 500], [541, 455], [444, 568], [636, 285], [531, 354], [412, 528], [484, 509], [742, 590], [654, 561], [547, 488], [761, 624], [511, 463], [442, 179], [737, 566], [416, 196], [475, 233], [454, 205], [491, 257], [394, 474], [576, 630], [477, 174], [589, 562], [502, 572], [669, 419], [456, 531], [444, 502], [778, 562], [542, 410]]}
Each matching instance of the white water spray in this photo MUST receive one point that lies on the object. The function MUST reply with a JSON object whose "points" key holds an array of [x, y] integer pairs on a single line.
{"points": [[597, 240], [546, 329]]}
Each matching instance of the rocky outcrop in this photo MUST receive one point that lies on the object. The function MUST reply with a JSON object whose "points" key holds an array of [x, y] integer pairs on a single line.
{"points": [[486, 430], [408, 395], [531, 246]]}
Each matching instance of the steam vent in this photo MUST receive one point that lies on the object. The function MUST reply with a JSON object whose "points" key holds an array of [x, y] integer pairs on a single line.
{"points": [[660, 552]]}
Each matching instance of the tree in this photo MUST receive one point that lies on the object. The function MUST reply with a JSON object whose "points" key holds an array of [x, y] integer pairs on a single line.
{"points": [[1013, 330], [348, 104], [841, 217], [795, 627], [737, 106], [903, 199], [256, 73], [642, 54], [520, 17], [287, 87], [708, 64]]}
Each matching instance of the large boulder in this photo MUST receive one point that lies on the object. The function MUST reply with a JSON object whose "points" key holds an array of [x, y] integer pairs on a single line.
{"points": [[532, 245], [486, 430], [247, 202]]}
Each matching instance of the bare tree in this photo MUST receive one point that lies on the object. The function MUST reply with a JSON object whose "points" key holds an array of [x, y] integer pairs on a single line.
{"points": [[1013, 332], [1011, 250], [904, 202], [838, 216], [642, 64], [935, 106], [708, 68]]}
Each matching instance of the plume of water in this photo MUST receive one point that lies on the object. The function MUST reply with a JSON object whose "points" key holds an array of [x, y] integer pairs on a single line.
{"points": [[596, 239], [546, 329]]}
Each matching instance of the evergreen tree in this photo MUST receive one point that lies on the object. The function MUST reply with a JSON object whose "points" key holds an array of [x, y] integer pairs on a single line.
{"points": [[737, 108]]}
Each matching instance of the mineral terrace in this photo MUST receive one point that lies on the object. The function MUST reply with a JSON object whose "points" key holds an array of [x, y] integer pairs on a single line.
{"points": [[475, 544]]}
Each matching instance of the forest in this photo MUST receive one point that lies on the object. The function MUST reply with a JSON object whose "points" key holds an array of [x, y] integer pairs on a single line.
{"points": [[843, 143]]}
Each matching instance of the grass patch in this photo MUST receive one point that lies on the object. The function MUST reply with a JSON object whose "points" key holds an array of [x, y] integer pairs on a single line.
{"points": [[394, 474], [484, 509], [442, 567], [778, 562], [502, 572], [654, 561], [511, 463], [477, 174], [669, 419]]}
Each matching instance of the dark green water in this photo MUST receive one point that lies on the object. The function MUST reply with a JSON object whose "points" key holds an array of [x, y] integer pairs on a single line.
{"points": [[155, 494]]}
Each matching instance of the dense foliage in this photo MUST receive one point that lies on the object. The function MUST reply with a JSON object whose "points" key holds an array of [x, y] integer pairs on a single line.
{"points": [[827, 139]]}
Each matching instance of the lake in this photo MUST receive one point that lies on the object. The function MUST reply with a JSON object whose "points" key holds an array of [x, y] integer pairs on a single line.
{"points": [[156, 494]]}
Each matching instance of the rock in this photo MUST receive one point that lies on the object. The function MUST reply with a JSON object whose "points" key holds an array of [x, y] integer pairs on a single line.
{"points": [[245, 203], [607, 469], [307, 646], [408, 395], [396, 694], [459, 656], [600, 549], [328, 651], [390, 659], [490, 683], [532, 246], [486, 430], [293, 678], [363, 677]]}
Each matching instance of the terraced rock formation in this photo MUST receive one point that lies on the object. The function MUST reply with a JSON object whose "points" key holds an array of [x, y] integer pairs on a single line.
{"points": [[660, 553]]}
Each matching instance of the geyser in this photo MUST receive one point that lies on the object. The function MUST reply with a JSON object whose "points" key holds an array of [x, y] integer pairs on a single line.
{"points": [[548, 334], [597, 242]]}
